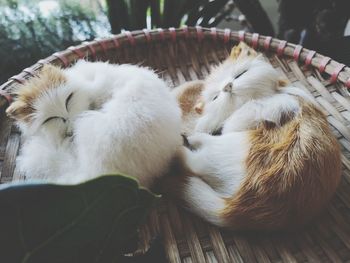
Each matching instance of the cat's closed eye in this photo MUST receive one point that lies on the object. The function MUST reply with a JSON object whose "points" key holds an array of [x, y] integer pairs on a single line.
{"points": [[215, 97], [240, 74], [68, 100], [53, 118]]}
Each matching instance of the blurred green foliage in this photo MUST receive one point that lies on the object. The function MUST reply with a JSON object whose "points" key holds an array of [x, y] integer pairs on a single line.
{"points": [[132, 14], [27, 35]]}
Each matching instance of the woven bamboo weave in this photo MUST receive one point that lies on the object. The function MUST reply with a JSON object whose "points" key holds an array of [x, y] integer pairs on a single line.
{"points": [[185, 54]]}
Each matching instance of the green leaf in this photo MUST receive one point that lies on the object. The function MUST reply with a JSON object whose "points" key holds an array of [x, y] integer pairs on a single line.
{"points": [[155, 13], [91, 222], [138, 14], [118, 15], [27, 34], [174, 11]]}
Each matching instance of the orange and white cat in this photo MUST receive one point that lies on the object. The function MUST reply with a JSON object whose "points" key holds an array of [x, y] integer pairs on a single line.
{"points": [[96, 118], [275, 163]]}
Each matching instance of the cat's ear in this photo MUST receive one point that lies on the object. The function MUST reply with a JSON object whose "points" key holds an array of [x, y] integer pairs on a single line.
{"points": [[52, 74], [242, 50], [199, 105], [49, 77], [282, 82], [235, 51], [19, 111]]}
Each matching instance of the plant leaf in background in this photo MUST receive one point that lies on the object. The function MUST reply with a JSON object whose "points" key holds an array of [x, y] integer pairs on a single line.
{"points": [[256, 15], [27, 35], [95, 221], [118, 15], [165, 13]]}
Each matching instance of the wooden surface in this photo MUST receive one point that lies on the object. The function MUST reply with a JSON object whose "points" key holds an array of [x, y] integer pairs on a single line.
{"points": [[187, 238]]}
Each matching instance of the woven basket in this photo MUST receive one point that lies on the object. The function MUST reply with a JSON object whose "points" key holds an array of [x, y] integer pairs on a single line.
{"points": [[186, 54]]}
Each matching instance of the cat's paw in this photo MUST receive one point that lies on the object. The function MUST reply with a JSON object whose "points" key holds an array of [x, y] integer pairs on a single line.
{"points": [[207, 125], [198, 139]]}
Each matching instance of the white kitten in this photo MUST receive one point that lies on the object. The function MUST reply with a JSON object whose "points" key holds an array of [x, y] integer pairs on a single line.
{"points": [[122, 118]]}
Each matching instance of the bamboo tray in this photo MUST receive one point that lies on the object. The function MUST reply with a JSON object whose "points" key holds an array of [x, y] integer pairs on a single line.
{"points": [[185, 54]]}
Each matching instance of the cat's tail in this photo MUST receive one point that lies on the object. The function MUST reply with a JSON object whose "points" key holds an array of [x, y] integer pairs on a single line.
{"points": [[203, 200], [194, 194]]}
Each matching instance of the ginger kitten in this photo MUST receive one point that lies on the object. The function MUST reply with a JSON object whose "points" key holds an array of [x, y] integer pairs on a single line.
{"points": [[275, 163]]}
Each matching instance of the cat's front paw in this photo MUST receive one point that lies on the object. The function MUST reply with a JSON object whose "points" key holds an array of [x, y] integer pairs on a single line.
{"points": [[198, 139], [207, 125]]}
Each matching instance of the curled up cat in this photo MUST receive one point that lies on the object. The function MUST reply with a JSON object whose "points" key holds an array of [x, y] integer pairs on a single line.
{"points": [[274, 164], [96, 118]]}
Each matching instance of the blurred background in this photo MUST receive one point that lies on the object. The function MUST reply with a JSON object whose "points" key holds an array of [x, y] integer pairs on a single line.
{"points": [[33, 29]]}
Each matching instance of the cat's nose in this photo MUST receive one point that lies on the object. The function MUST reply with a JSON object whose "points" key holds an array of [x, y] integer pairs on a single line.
{"points": [[228, 87], [69, 131]]}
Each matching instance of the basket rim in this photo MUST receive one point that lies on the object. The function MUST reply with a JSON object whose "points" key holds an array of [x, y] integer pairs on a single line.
{"points": [[337, 71]]}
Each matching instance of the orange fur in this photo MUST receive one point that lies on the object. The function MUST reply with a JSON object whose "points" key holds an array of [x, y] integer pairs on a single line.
{"points": [[188, 97], [283, 83], [292, 172], [26, 94], [241, 51]]}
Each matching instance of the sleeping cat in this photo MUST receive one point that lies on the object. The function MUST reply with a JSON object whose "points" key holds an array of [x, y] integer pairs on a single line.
{"points": [[276, 163], [93, 119]]}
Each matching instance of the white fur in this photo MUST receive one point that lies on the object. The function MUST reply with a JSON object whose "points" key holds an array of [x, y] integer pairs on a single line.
{"points": [[254, 112], [123, 118], [42, 158], [259, 80], [219, 161], [203, 200]]}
